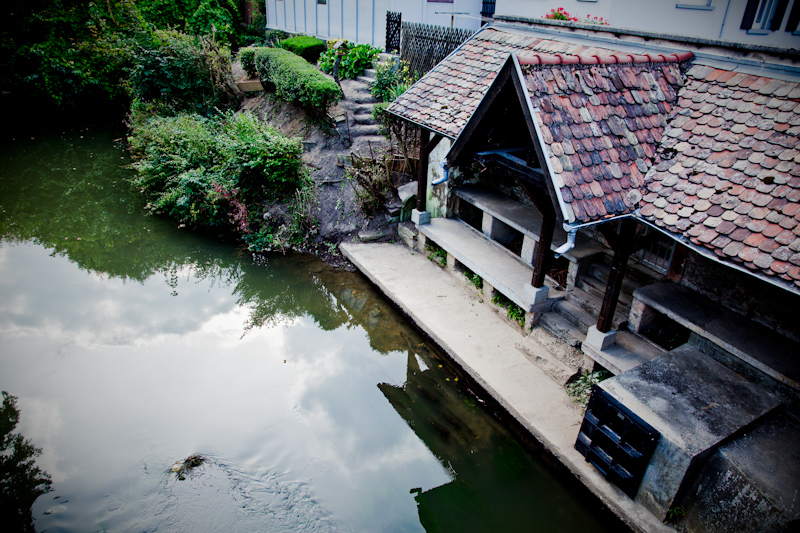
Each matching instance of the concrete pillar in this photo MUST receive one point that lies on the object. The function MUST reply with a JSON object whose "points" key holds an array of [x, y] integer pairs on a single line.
{"points": [[497, 230], [422, 241], [640, 315], [451, 264], [528, 248]]}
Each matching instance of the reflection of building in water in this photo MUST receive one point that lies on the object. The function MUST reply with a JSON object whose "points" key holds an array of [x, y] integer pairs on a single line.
{"points": [[490, 471]]}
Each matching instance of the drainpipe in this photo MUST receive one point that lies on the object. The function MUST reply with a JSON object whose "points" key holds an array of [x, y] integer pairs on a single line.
{"points": [[567, 246], [445, 172]]}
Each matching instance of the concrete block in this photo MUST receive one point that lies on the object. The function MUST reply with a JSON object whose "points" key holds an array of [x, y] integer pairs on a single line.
{"points": [[528, 249], [640, 315], [535, 295], [496, 229], [420, 217], [696, 404], [408, 235], [600, 341], [451, 264]]}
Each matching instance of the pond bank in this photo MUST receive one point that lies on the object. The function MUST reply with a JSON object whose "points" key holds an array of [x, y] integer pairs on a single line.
{"points": [[483, 343]]}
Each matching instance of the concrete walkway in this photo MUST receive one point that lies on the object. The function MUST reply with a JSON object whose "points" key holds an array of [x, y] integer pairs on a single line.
{"points": [[483, 344]]}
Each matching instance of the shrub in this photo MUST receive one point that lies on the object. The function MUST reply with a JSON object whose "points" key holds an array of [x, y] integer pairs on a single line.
{"points": [[247, 58], [253, 34], [392, 80], [354, 61], [581, 388], [212, 171], [181, 71], [295, 79], [306, 46]]}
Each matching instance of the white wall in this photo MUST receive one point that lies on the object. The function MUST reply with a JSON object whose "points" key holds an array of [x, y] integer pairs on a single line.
{"points": [[364, 21], [662, 16]]}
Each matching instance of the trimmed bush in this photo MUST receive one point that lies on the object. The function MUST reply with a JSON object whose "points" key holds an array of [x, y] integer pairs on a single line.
{"points": [[306, 46], [295, 79], [247, 58]]}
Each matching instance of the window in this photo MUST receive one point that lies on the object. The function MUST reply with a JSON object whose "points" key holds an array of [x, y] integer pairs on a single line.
{"points": [[794, 18], [704, 5], [440, 1], [322, 1], [764, 16]]}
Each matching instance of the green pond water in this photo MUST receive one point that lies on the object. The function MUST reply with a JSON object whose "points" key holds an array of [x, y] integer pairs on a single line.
{"points": [[132, 344]]}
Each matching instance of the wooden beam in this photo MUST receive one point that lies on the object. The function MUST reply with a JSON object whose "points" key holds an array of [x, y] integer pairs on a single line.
{"points": [[542, 254], [422, 169], [623, 245], [515, 165]]}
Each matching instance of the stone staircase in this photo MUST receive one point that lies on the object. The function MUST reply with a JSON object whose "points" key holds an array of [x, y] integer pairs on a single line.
{"points": [[364, 132], [568, 320]]}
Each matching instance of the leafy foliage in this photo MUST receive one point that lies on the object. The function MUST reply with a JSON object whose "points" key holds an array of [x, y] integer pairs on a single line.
{"points": [[355, 59], [306, 46], [295, 79], [73, 50], [581, 388], [182, 71], [247, 58], [21, 481], [513, 311], [212, 172], [392, 80], [436, 254]]}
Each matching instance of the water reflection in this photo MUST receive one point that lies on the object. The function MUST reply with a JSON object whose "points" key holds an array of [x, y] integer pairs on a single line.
{"points": [[132, 344]]}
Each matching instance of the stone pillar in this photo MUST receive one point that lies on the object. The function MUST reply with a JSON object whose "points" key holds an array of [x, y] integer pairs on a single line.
{"points": [[528, 249], [640, 315], [497, 230]]}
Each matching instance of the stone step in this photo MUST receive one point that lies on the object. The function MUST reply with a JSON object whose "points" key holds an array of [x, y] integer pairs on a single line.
{"points": [[547, 361], [364, 97], [366, 79], [574, 315], [385, 57], [370, 73], [568, 355], [361, 130], [364, 118], [592, 304], [562, 329], [597, 288], [366, 108], [361, 145], [600, 271]]}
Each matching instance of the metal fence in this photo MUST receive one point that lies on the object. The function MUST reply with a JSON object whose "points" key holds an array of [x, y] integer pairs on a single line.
{"points": [[424, 45], [393, 21]]}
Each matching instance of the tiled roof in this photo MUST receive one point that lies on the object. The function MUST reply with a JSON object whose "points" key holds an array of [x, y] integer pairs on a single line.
{"points": [[445, 98], [600, 126], [728, 173]]}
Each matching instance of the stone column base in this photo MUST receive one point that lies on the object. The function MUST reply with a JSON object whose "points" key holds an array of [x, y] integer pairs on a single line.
{"points": [[420, 217], [600, 341]]}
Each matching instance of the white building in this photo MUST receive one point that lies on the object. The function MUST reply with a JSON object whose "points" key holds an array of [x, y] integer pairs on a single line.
{"points": [[364, 21], [758, 22]]}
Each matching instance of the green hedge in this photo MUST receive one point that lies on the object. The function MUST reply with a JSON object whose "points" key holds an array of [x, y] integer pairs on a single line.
{"points": [[295, 79], [306, 46], [247, 58]]}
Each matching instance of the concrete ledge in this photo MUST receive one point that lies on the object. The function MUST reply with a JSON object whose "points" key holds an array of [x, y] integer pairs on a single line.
{"points": [[627, 352], [250, 86], [501, 269], [735, 334], [477, 339]]}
